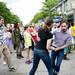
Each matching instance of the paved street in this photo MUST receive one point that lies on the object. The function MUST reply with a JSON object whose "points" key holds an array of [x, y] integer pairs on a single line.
{"points": [[68, 67]]}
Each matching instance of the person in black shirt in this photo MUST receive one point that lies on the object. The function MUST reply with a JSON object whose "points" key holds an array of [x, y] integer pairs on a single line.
{"points": [[40, 50]]}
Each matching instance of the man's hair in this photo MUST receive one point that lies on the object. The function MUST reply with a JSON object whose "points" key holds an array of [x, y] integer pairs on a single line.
{"points": [[1, 17], [63, 21]]}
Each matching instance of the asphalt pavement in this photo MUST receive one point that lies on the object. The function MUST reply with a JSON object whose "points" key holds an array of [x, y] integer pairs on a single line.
{"points": [[67, 66]]}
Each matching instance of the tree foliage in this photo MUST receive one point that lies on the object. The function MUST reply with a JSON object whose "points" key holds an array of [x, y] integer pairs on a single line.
{"points": [[46, 10], [48, 5], [38, 16], [7, 14]]}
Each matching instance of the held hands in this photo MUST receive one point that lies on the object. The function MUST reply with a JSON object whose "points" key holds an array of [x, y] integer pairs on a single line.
{"points": [[53, 48], [57, 49]]}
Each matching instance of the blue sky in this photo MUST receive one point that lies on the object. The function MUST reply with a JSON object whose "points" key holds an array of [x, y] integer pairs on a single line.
{"points": [[25, 9]]}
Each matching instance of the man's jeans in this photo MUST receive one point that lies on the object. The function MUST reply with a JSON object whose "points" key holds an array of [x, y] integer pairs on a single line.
{"points": [[56, 58], [74, 41], [41, 54]]}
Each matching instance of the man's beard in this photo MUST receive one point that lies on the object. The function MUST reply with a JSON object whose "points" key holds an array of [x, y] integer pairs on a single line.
{"points": [[64, 30]]}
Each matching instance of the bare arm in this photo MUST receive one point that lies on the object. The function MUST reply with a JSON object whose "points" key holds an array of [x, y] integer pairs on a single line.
{"points": [[48, 46]]}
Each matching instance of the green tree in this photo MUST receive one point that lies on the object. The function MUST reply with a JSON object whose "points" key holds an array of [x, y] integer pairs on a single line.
{"points": [[48, 5], [7, 14], [46, 10], [38, 16]]}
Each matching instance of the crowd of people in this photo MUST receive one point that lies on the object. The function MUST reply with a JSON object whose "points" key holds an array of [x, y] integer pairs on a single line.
{"points": [[37, 42]]}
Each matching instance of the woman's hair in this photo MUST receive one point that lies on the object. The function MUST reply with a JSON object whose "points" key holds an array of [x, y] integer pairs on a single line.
{"points": [[45, 27], [16, 25], [48, 22], [1, 17], [25, 27], [72, 24]]}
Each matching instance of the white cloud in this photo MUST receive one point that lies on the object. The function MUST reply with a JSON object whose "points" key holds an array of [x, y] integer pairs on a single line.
{"points": [[25, 9]]}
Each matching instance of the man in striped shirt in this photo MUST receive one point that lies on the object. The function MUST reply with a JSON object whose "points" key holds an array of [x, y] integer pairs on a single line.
{"points": [[3, 48]]}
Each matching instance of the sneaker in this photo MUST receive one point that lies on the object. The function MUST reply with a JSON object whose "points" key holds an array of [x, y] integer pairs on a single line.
{"points": [[12, 69], [19, 56], [55, 74], [28, 62], [66, 58]]}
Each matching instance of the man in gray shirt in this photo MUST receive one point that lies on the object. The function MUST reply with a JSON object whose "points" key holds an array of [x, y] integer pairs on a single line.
{"points": [[62, 40]]}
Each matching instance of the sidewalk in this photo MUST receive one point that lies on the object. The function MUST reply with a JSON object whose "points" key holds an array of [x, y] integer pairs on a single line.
{"points": [[67, 68]]}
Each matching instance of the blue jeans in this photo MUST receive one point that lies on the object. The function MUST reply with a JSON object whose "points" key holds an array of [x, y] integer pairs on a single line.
{"points": [[74, 41], [56, 63], [41, 54]]}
